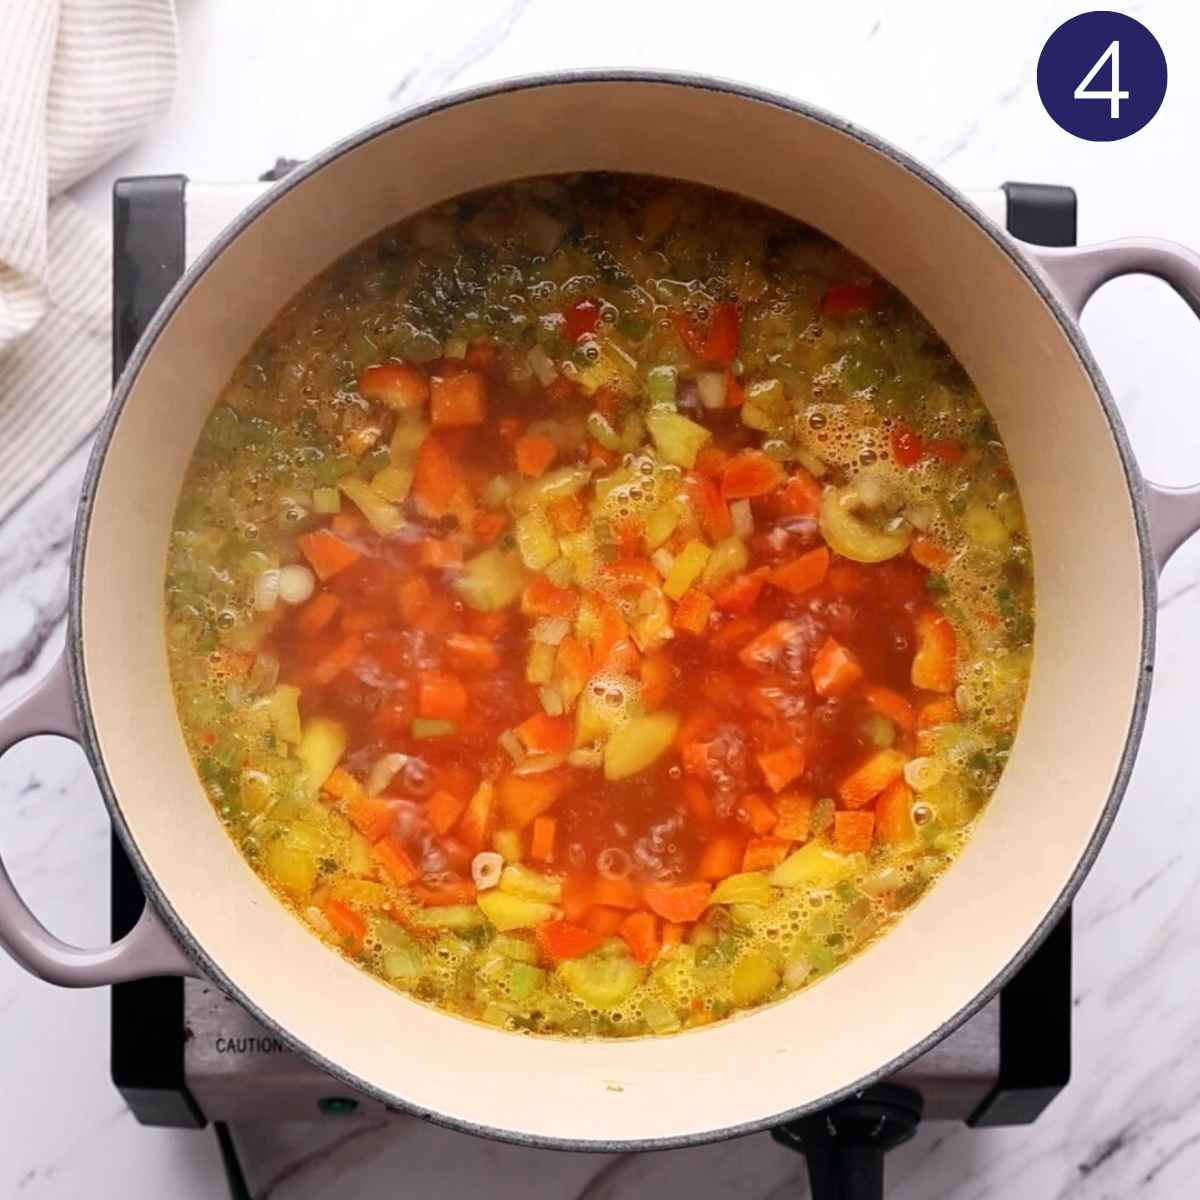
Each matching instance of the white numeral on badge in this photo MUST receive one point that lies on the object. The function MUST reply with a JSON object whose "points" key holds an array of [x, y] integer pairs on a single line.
{"points": [[1114, 95]]}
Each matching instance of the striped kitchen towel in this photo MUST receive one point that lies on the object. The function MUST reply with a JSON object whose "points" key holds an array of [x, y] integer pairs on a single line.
{"points": [[79, 80]]}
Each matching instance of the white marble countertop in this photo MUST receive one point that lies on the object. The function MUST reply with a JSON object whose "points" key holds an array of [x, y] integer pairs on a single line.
{"points": [[952, 83]]}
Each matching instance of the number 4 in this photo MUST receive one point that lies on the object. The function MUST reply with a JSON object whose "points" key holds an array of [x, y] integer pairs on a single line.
{"points": [[1114, 96]]}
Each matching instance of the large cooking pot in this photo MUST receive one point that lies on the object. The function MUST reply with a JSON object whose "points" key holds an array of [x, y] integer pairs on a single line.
{"points": [[1100, 534]]}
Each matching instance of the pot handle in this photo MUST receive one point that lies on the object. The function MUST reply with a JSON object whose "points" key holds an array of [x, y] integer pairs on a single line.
{"points": [[147, 949], [1076, 273]]}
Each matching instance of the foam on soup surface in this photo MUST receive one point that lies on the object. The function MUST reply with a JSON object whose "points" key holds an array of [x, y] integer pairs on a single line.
{"points": [[599, 604]]}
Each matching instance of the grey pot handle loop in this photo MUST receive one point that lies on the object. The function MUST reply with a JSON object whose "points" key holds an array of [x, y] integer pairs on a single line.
{"points": [[1076, 273], [147, 949]]}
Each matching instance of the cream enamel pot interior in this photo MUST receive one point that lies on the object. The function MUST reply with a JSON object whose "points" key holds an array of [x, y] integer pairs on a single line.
{"points": [[1008, 312]]}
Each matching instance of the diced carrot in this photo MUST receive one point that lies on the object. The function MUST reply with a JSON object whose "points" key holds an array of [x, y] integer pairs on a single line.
{"points": [[930, 554], [395, 384], [572, 667], [750, 473], [541, 840], [415, 597], [711, 509], [758, 813], [801, 495], [612, 631], [692, 611], [842, 299], [363, 620], [711, 460], [763, 853], [947, 449], [679, 902], [440, 552], [346, 923], [802, 574], [603, 920], [348, 524], [835, 670], [576, 896], [616, 893], [793, 812], [741, 593], [317, 613], [443, 809], [783, 766], [441, 696], [438, 482], [488, 526], [534, 453], [853, 831], [722, 856], [639, 571], [892, 705], [510, 428], [393, 859], [444, 893], [327, 553], [658, 677], [541, 598], [640, 931], [567, 514], [372, 816], [862, 785], [475, 825], [338, 659], [672, 934], [544, 734], [934, 665], [524, 797], [763, 652], [893, 814], [456, 399], [699, 803], [469, 652], [561, 940], [343, 785]]}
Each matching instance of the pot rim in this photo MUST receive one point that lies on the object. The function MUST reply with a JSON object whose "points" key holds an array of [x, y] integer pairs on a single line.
{"points": [[299, 175]]}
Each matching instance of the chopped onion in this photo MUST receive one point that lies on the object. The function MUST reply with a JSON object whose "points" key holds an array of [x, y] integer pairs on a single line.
{"points": [[743, 518], [588, 758], [552, 701], [795, 973], [384, 771], [266, 591], [550, 631], [296, 583], [496, 491], [542, 367], [486, 867], [317, 919], [613, 863], [663, 561], [539, 764], [512, 745], [711, 386]]}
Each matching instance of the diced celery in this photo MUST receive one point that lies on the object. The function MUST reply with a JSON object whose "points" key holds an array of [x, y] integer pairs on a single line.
{"points": [[402, 964], [393, 483], [327, 500], [448, 916], [284, 711], [678, 439], [536, 542], [599, 981], [429, 727], [754, 977], [686, 569], [507, 843], [612, 368], [524, 980], [455, 347], [659, 1017], [491, 580], [292, 869], [660, 524], [633, 746], [749, 887], [515, 949], [630, 437], [814, 865], [507, 911], [554, 485], [407, 439], [383, 516], [660, 387], [320, 750], [533, 885], [539, 667], [729, 556]]}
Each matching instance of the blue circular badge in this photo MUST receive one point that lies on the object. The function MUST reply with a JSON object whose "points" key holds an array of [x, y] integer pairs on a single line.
{"points": [[1102, 76]]}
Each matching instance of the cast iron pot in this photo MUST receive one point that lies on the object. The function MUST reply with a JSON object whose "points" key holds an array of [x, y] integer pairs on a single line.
{"points": [[1100, 534]]}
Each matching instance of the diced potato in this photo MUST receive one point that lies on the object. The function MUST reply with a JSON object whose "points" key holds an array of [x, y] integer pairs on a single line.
{"points": [[602, 982], [765, 407], [814, 865], [594, 719], [292, 869], [320, 750], [539, 667], [612, 368], [536, 542], [284, 711], [448, 916], [633, 746], [406, 441], [728, 557], [553, 485], [507, 843], [532, 885], [984, 527], [749, 887], [358, 856], [678, 439], [383, 516], [393, 483], [507, 911], [661, 523], [686, 569], [754, 977], [491, 580]]}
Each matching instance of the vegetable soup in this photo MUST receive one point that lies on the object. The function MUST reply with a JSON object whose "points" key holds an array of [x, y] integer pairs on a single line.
{"points": [[598, 605]]}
